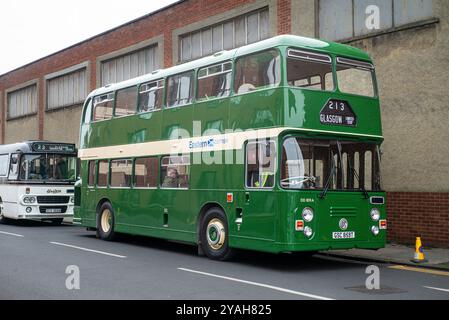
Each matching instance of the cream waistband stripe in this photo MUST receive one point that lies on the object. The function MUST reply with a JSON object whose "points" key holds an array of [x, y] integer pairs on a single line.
{"points": [[206, 143]]}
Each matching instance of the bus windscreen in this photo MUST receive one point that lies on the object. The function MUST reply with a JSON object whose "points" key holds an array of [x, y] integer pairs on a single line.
{"points": [[48, 167]]}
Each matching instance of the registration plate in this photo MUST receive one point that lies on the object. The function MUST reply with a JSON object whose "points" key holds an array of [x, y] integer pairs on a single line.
{"points": [[52, 210], [343, 235]]}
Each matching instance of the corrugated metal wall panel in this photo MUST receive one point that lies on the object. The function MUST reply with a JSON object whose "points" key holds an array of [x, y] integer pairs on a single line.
{"points": [[22, 102], [129, 66], [67, 90]]}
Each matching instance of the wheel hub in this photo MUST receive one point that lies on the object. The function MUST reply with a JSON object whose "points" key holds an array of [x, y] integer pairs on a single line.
{"points": [[216, 234], [106, 219]]}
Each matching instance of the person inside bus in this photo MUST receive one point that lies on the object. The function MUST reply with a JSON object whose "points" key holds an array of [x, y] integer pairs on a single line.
{"points": [[259, 175], [171, 180]]}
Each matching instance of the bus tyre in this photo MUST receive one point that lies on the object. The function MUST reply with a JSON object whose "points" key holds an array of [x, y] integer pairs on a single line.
{"points": [[106, 222], [214, 235]]}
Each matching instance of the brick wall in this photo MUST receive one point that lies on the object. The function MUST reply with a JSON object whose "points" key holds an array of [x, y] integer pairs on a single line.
{"points": [[423, 214], [284, 17]]}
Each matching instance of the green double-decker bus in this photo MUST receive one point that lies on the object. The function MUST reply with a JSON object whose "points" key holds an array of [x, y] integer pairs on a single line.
{"points": [[274, 146]]}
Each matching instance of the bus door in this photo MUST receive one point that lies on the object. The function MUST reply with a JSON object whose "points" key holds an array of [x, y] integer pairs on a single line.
{"points": [[258, 200]]}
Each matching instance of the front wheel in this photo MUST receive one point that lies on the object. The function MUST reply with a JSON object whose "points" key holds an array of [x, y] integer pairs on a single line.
{"points": [[106, 222], [214, 235]]}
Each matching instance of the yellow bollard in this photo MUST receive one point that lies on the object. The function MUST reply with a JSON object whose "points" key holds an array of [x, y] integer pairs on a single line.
{"points": [[419, 253]]}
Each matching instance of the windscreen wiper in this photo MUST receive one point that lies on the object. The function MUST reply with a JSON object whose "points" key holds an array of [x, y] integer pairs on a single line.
{"points": [[326, 187], [362, 187]]}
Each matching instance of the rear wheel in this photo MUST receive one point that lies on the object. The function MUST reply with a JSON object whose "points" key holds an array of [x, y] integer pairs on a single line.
{"points": [[106, 222], [214, 235]]}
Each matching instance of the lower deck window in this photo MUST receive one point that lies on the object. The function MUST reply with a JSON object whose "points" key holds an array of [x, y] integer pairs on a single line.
{"points": [[146, 172], [260, 164], [175, 172], [103, 169], [121, 173]]}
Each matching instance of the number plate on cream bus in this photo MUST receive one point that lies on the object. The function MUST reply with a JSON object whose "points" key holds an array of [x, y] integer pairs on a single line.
{"points": [[343, 235]]}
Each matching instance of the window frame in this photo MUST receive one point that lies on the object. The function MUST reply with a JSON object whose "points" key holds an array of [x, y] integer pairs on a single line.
{"points": [[136, 86], [247, 143], [234, 71], [223, 63], [193, 90], [161, 80], [313, 53], [94, 175], [159, 163], [92, 120], [98, 173], [110, 173], [360, 65], [160, 171]]}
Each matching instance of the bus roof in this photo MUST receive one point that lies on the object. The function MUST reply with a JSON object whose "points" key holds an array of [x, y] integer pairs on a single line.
{"points": [[282, 40]]}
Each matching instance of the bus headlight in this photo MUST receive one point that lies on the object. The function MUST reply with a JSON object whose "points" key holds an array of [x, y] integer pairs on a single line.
{"points": [[375, 230], [32, 199], [375, 214], [26, 200], [307, 214], [308, 232], [28, 209], [72, 199]]}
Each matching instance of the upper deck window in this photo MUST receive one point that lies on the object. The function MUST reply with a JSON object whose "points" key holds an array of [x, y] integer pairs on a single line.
{"points": [[126, 101], [258, 70], [103, 106], [215, 81], [180, 89], [150, 96], [355, 77], [309, 70]]}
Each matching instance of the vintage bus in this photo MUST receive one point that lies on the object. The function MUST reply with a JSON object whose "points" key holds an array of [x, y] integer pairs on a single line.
{"points": [[37, 181], [274, 146]]}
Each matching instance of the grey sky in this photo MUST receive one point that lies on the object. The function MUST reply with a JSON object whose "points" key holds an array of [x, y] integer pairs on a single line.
{"points": [[31, 29]]}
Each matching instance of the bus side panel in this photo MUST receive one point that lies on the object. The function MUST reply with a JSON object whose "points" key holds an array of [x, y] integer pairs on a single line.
{"points": [[9, 194]]}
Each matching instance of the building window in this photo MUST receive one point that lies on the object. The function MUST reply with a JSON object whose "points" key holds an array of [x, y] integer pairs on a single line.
{"points": [[180, 89], [344, 19], [67, 90], [237, 32], [175, 172], [215, 81], [259, 70], [22, 102], [129, 66], [126, 102], [146, 172], [121, 173], [260, 164], [150, 96], [103, 107]]}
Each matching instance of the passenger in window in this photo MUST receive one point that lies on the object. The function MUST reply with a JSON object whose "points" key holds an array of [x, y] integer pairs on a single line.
{"points": [[172, 179]]}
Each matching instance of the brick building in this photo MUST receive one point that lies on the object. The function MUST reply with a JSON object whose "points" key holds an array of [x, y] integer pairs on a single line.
{"points": [[42, 100]]}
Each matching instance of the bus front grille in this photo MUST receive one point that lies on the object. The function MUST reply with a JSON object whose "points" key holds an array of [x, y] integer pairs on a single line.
{"points": [[52, 199]]}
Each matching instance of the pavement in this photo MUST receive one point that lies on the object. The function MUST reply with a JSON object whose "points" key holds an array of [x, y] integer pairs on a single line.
{"points": [[41, 261], [437, 258]]}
